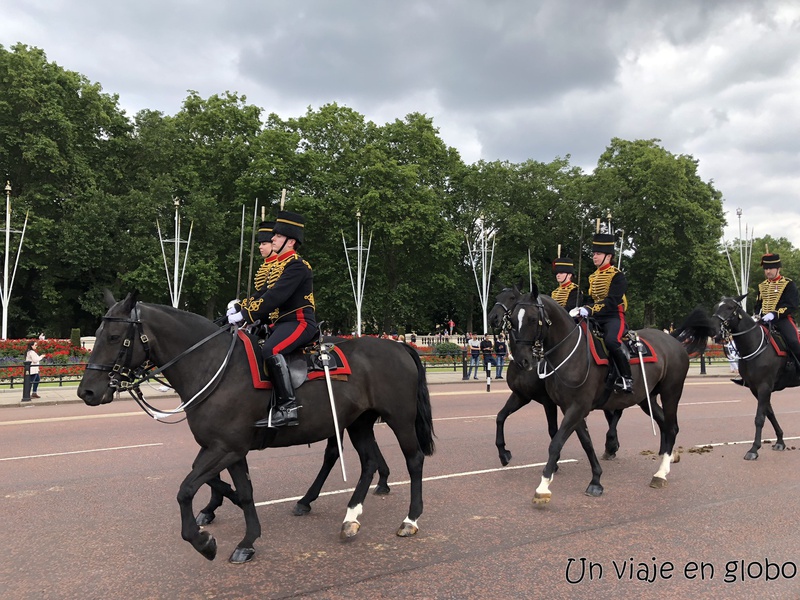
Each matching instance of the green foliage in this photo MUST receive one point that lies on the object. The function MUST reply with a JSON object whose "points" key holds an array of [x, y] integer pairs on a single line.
{"points": [[75, 337], [447, 349], [101, 186]]}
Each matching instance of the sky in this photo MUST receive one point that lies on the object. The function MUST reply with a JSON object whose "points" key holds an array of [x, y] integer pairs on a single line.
{"points": [[502, 79]]}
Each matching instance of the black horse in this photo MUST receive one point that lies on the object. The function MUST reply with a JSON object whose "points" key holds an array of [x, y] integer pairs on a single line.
{"points": [[545, 332], [210, 373], [763, 371], [526, 385]]}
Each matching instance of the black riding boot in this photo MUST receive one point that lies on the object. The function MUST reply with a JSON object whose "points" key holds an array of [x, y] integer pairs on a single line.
{"points": [[285, 413], [625, 382]]}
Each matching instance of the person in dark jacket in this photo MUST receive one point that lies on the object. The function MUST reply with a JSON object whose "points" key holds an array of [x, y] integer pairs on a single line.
{"points": [[777, 300]]}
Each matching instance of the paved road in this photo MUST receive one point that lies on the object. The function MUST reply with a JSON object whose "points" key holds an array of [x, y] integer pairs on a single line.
{"points": [[89, 511]]}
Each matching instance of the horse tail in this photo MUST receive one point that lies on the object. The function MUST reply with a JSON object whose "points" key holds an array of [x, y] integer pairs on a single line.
{"points": [[695, 330], [424, 421]]}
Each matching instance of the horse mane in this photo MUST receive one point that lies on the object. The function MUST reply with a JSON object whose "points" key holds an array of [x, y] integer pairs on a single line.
{"points": [[695, 330]]}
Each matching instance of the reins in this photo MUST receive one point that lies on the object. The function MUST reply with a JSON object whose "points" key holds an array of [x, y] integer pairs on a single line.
{"points": [[728, 333], [123, 378]]}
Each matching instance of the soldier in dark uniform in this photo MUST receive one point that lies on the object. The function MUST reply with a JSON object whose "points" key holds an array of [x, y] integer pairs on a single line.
{"points": [[287, 304], [607, 287], [777, 300], [567, 293], [264, 239]]}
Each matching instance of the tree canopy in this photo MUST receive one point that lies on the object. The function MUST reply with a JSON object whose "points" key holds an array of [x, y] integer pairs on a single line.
{"points": [[99, 184]]}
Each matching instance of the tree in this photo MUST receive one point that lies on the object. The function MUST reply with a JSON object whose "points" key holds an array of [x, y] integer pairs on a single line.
{"points": [[672, 223]]}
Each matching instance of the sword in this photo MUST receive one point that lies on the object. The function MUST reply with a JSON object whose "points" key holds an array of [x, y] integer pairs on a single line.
{"points": [[639, 345], [325, 357]]}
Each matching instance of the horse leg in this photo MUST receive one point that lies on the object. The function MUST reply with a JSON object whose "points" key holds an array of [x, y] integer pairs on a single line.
{"points": [[364, 442], [595, 488], [763, 397], [512, 405], [779, 443], [206, 466], [219, 491], [329, 458], [415, 459], [612, 441], [572, 417], [667, 421], [241, 479]]}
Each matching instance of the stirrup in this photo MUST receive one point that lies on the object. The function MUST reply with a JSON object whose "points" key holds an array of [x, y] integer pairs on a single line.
{"points": [[280, 416], [624, 384]]}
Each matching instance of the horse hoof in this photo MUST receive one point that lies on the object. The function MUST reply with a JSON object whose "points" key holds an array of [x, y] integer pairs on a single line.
{"points": [[609, 455], [541, 498], [349, 530], [751, 456], [505, 457], [381, 490], [301, 509], [658, 482], [407, 530], [779, 446], [242, 555], [205, 518], [594, 490], [207, 545]]}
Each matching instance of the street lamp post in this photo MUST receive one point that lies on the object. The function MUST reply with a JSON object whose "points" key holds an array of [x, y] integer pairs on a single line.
{"points": [[486, 271], [175, 284], [6, 294], [361, 268]]}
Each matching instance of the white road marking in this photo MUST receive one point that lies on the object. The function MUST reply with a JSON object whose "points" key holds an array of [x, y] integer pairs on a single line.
{"points": [[76, 418], [433, 478], [81, 451], [773, 438]]}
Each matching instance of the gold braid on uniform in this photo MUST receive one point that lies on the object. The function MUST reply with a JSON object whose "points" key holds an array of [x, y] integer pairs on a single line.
{"points": [[561, 293], [770, 293], [599, 284]]}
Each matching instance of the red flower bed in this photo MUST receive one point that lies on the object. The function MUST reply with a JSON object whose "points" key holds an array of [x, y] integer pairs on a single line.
{"points": [[62, 358]]}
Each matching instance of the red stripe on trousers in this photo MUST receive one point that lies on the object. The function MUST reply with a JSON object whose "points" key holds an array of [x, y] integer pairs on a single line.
{"points": [[302, 325]]}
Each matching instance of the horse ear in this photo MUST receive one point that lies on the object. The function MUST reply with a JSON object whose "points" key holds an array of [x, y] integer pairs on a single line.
{"points": [[535, 291], [740, 298], [519, 284], [130, 301], [109, 298]]}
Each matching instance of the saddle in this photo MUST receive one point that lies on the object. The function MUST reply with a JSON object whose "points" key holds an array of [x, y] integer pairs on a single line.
{"points": [[305, 364], [631, 343], [790, 375]]}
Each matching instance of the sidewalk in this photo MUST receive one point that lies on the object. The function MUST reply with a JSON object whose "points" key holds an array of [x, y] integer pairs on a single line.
{"points": [[51, 396]]}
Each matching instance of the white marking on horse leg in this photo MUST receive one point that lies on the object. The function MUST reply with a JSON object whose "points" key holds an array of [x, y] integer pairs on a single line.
{"points": [[663, 471], [544, 486], [410, 522], [353, 514]]}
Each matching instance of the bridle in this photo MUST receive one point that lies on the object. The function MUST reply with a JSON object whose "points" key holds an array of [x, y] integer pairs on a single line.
{"points": [[726, 327], [124, 377]]}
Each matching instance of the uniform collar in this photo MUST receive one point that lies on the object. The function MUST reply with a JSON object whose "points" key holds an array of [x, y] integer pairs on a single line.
{"points": [[271, 258], [286, 255], [604, 267], [565, 284], [778, 278]]}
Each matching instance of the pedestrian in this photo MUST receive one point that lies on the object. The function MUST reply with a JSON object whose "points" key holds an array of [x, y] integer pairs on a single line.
{"points": [[487, 349], [34, 358], [500, 351], [474, 345], [733, 356]]}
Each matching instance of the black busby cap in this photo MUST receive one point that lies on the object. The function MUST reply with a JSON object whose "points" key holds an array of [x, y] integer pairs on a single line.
{"points": [[771, 261], [563, 265], [290, 224], [264, 231], [603, 242]]}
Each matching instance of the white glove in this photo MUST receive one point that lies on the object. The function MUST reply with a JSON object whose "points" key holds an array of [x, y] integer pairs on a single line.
{"points": [[574, 312], [232, 307], [583, 311], [767, 317], [235, 318]]}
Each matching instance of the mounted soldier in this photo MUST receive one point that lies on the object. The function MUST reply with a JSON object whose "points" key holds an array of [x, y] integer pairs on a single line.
{"points": [[607, 305], [567, 293], [777, 300], [286, 303]]}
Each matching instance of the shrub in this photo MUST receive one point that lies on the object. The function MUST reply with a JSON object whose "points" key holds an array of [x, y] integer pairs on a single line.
{"points": [[447, 349]]}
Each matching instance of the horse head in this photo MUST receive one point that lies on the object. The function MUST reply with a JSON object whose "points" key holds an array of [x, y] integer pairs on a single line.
{"points": [[504, 301], [115, 353], [729, 315], [527, 329]]}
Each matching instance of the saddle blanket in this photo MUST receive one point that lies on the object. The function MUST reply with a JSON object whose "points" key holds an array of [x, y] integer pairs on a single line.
{"points": [[600, 353], [776, 339], [303, 366]]}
